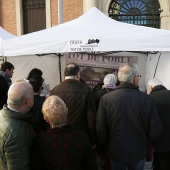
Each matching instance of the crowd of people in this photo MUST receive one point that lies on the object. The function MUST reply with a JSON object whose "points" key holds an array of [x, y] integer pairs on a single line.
{"points": [[74, 128]]}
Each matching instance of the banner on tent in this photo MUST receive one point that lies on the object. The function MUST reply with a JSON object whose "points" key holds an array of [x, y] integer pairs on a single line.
{"points": [[87, 45], [95, 67]]}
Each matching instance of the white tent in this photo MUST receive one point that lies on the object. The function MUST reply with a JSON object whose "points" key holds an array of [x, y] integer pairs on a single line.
{"points": [[4, 35], [49, 64], [112, 36]]}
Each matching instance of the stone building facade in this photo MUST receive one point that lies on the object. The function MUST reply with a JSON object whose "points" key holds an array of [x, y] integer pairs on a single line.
{"points": [[11, 12]]}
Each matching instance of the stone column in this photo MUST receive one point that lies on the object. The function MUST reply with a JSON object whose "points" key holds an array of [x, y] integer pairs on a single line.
{"points": [[48, 13], [19, 17], [88, 4], [164, 14]]}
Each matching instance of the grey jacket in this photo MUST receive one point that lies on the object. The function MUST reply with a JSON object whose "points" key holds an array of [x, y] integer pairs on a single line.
{"points": [[16, 136]]}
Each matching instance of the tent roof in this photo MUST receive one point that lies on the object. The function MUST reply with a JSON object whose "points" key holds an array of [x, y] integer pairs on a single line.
{"points": [[112, 35], [4, 35]]}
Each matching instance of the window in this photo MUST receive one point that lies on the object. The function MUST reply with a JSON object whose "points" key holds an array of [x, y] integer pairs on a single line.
{"points": [[138, 12], [34, 15]]}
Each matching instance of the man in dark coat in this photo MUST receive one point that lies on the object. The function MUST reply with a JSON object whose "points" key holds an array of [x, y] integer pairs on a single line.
{"points": [[6, 72], [79, 100], [126, 120], [3, 91], [161, 97]]}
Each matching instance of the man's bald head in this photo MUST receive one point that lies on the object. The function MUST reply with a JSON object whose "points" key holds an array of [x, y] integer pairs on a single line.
{"points": [[72, 69], [20, 95]]}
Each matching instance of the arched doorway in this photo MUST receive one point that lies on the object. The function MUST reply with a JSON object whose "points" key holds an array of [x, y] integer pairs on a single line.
{"points": [[138, 12]]}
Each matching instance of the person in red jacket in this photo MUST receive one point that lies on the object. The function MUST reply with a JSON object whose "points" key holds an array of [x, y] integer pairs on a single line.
{"points": [[60, 147]]}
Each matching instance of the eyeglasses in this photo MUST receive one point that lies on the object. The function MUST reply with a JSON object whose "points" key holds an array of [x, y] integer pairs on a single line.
{"points": [[138, 76]]}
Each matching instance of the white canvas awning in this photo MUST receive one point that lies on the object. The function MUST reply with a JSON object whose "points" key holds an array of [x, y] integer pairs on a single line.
{"points": [[4, 35], [112, 36]]}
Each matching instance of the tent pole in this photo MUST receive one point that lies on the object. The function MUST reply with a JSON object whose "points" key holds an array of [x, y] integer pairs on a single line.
{"points": [[59, 56], [4, 59], [157, 65]]}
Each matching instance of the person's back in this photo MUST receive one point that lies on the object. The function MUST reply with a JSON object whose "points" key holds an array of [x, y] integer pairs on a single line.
{"points": [[61, 147], [75, 96], [126, 120], [64, 149], [6, 72], [79, 100], [3, 91], [16, 133], [109, 85], [161, 96], [15, 137], [37, 121], [126, 107]]}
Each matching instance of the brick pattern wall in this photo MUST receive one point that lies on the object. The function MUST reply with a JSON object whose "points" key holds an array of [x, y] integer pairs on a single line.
{"points": [[72, 9], [8, 15], [54, 12]]}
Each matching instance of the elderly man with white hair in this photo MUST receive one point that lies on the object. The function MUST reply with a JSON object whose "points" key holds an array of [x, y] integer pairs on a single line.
{"points": [[126, 120], [16, 134], [61, 147], [153, 83], [161, 97]]}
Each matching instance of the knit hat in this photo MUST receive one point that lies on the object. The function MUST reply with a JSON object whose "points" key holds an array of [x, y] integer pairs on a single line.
{"points": [[110, 81]]}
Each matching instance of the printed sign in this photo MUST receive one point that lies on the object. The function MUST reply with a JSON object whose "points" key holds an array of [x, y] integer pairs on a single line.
{"points": [[95, 67], [88, 45]]}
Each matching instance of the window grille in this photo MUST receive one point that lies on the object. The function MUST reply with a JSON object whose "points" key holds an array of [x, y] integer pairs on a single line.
{"points": [[138, 12]]}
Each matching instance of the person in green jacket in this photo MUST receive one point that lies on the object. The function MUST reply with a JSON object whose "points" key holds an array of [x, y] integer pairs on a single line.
{"points": [[16, 133]]}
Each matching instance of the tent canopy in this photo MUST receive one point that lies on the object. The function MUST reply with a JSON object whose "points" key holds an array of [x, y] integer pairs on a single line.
{"points": [[4, 35], [112, 36]]}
